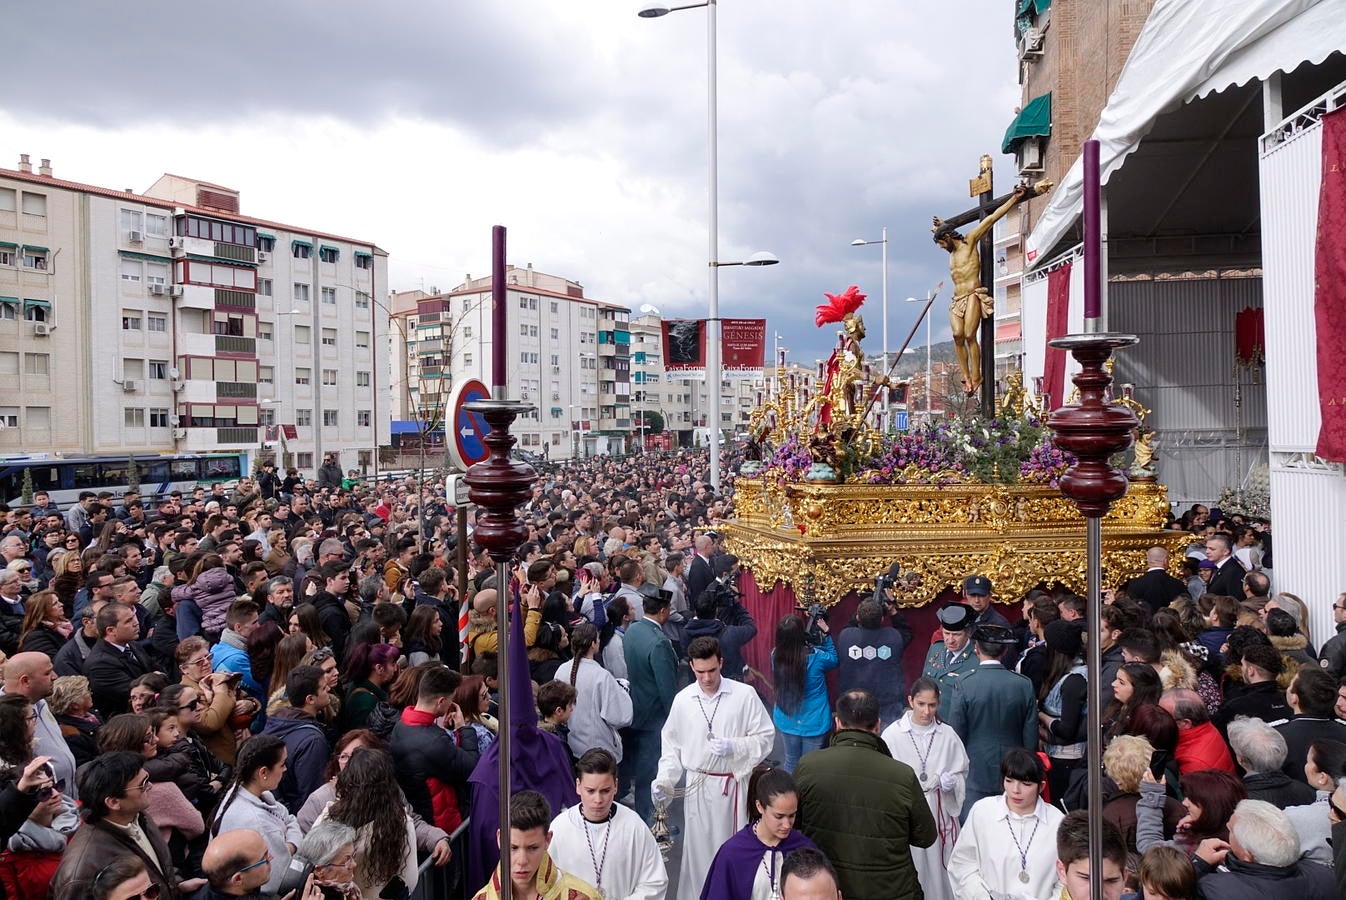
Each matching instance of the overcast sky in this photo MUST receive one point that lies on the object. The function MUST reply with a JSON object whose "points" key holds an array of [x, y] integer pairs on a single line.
{"points": [[581, 127]]}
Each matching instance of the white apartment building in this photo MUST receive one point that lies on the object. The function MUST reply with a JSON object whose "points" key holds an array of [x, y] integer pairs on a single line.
{"points": [[169, 322], [569, 355]]}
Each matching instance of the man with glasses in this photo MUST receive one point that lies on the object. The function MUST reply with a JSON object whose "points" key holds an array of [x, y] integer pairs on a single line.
{"points": [[237, 864], [70, 659], [1333, 655], [114, 792], [11, 610]]}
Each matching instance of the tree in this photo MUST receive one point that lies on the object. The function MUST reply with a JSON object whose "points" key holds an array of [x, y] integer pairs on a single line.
{"points": [[653, 421], [132, 475], [26, 490]]}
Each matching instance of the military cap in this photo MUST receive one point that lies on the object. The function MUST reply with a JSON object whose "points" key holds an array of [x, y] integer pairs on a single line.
{"points": [[956, 616], [994, 634], [977, 585]]}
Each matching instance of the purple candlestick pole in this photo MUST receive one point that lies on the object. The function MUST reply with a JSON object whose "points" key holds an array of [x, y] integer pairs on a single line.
{"points": [[498, 313], [1093, 239]]}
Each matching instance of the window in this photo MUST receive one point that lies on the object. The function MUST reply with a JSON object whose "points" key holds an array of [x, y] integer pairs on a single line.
{"points": [[467, 331], [300, 250], [35, 310], [131, 320], [195, 271], [328, 254], [34, 257], [364, 261], [265, 330], [362, 339], [264, 286], [266, 415], [156, 323], [467, 359], [158, 417], [300, 293], [532, 303], [362, 379], [8, 198], [135, 418], [329, 296], [156, 225], [37, 363], [34, 204], [212, 230], [555, 334], [555, 307], [156, 273], [132, 269], [132, 220], [303, 376], [361, 300], [303, 417], [266, 374], [6, 256], [159, 369], [133, 369], [303, 334], [303, 460], [329, 417], [9, 416], [532, 331], [363, 418], [329, 337], [266, 243], [329, 376]]}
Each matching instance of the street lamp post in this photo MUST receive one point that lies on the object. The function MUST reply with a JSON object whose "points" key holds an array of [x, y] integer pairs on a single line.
{"points": [[714, 364], [928, 413], [883, 244]]}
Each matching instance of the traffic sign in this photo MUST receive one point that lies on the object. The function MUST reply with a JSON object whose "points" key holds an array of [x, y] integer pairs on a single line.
{"points": [[900, 421], [466, 444]]}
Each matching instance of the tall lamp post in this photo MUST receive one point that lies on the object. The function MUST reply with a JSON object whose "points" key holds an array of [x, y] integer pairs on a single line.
{"points": [[883, 244], [927, 355], [714, 364]]}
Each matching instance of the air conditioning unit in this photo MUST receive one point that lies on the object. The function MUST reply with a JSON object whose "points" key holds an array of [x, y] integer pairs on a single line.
{"points": [[1030, 43], [1030, 156], [263, 256], [178, 386], [175, 290], [42, 329], [175, 420], [555, 395], [135, 237], [156, 289], [178, 245], [130, 386], [179, 433]]}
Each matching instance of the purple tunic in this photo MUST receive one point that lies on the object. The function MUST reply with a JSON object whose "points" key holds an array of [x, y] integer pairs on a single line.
{"points": [[738, 861]]}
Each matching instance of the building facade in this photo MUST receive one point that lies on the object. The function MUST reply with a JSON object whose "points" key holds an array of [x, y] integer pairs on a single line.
{"points": [[169, 322]]}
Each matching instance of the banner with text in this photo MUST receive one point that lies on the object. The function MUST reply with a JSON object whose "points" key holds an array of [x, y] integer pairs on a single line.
{"points": [[743, 347], [685, 349]]}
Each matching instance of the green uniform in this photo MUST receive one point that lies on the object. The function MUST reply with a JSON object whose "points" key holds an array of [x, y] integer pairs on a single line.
{"points": [[948, 670], [993, 711]]}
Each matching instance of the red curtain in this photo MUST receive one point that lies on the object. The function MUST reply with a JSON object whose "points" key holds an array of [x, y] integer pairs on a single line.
{"points": [[1250, 342], [1058, 321], [1330, 290]]}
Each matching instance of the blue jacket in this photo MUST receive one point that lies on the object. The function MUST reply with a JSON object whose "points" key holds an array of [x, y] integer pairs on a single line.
{"points": [[231, 659], [813, 714], [306, 756]]}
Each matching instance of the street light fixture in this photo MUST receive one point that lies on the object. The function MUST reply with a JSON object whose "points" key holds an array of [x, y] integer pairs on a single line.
{"points": [[883, 242], [714, 364], [928, 413]]}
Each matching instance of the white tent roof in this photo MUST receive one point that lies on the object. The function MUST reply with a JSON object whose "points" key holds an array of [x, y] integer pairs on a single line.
{"points": [[1189, 49]]}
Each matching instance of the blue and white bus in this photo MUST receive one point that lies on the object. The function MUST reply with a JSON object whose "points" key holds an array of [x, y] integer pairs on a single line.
{"points": [[64, 478]]}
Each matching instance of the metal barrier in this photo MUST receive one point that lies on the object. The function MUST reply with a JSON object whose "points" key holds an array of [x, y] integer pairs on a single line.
{"points": [[446, 882]]}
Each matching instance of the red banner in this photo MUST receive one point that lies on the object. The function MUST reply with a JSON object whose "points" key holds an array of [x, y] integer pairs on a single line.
{"points": [[1058, 321], [685, 347], [743, 343], [1329, 309]]}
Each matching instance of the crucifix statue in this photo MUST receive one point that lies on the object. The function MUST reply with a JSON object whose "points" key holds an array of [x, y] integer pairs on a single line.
{"points": [[973, 306]]}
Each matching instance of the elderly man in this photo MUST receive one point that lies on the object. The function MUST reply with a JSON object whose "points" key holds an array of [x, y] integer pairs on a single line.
{"points": [[1260, 861], [1260, 751], [237, 864], [11, 610], [1199, 743], [31, 675], [951, 657]]}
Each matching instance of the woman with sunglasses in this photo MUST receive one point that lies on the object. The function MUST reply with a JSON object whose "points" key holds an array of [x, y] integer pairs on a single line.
{"points": [[124, 879], [34, 850], [207, 770], [219, 698], [69, 577]]}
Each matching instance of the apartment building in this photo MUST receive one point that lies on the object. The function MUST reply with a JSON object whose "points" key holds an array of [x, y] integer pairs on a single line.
{"points": [[168, 321]]}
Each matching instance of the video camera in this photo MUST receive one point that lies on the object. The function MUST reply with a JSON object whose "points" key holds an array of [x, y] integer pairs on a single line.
{"points": [[812, 633]]}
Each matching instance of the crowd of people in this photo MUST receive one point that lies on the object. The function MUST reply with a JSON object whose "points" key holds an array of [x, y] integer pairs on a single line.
{"points": [[281, 688]]}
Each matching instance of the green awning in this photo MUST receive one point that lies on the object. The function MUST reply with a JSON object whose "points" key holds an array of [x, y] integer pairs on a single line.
{"points": [[12, 301], [36, 304], [263, 234], [307, 244], [147, 257], [330, 247], [35, 247], [220, 261], [7, 244], [1037, 6], [1034, 120], [364, 254]]}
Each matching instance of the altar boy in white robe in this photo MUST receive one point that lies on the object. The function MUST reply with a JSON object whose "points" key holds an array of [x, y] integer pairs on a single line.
{"points": [[603, 842], [716, 732]]}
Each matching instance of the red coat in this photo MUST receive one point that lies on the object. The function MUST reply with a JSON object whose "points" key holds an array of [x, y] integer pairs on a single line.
{"points": [[1201, 747]]}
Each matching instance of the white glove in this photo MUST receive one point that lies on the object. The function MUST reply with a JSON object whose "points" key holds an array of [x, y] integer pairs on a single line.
{"points": [[721, 746], [947, 781], [660, 794]]}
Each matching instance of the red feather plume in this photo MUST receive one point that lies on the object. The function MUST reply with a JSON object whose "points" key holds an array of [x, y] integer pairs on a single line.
{"points": [[839, 306]]}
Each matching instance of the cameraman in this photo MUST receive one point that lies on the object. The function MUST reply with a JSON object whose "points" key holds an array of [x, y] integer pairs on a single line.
{"points": [[799, 663], [871, 657], [721, 616]]}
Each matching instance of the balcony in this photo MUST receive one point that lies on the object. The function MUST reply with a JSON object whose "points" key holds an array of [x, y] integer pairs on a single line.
{"points": [[228, 343], [237, 435], [195, 296], [235, 299], [236, 252], [233, 390]]}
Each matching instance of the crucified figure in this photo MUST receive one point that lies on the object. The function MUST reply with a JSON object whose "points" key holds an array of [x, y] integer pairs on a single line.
{"points": [[971, 299]]}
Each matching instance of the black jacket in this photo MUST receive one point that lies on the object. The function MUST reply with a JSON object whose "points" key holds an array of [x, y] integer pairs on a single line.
{"points": [[733, 637], [1264, 700], [110, 672], [1227, 580], [336, 624], [1333, 654], [1299, 733], [423, 752], [43, 639], [1278, 789], [70, 659], [1156, 589], [1253, 881], [699, 575], [10, 625]]}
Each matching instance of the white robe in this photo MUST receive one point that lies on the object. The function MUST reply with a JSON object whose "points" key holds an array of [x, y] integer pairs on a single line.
{"points": [[717, 786], [946, 755], [986, 862], [632, 866], [601, 707]]}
